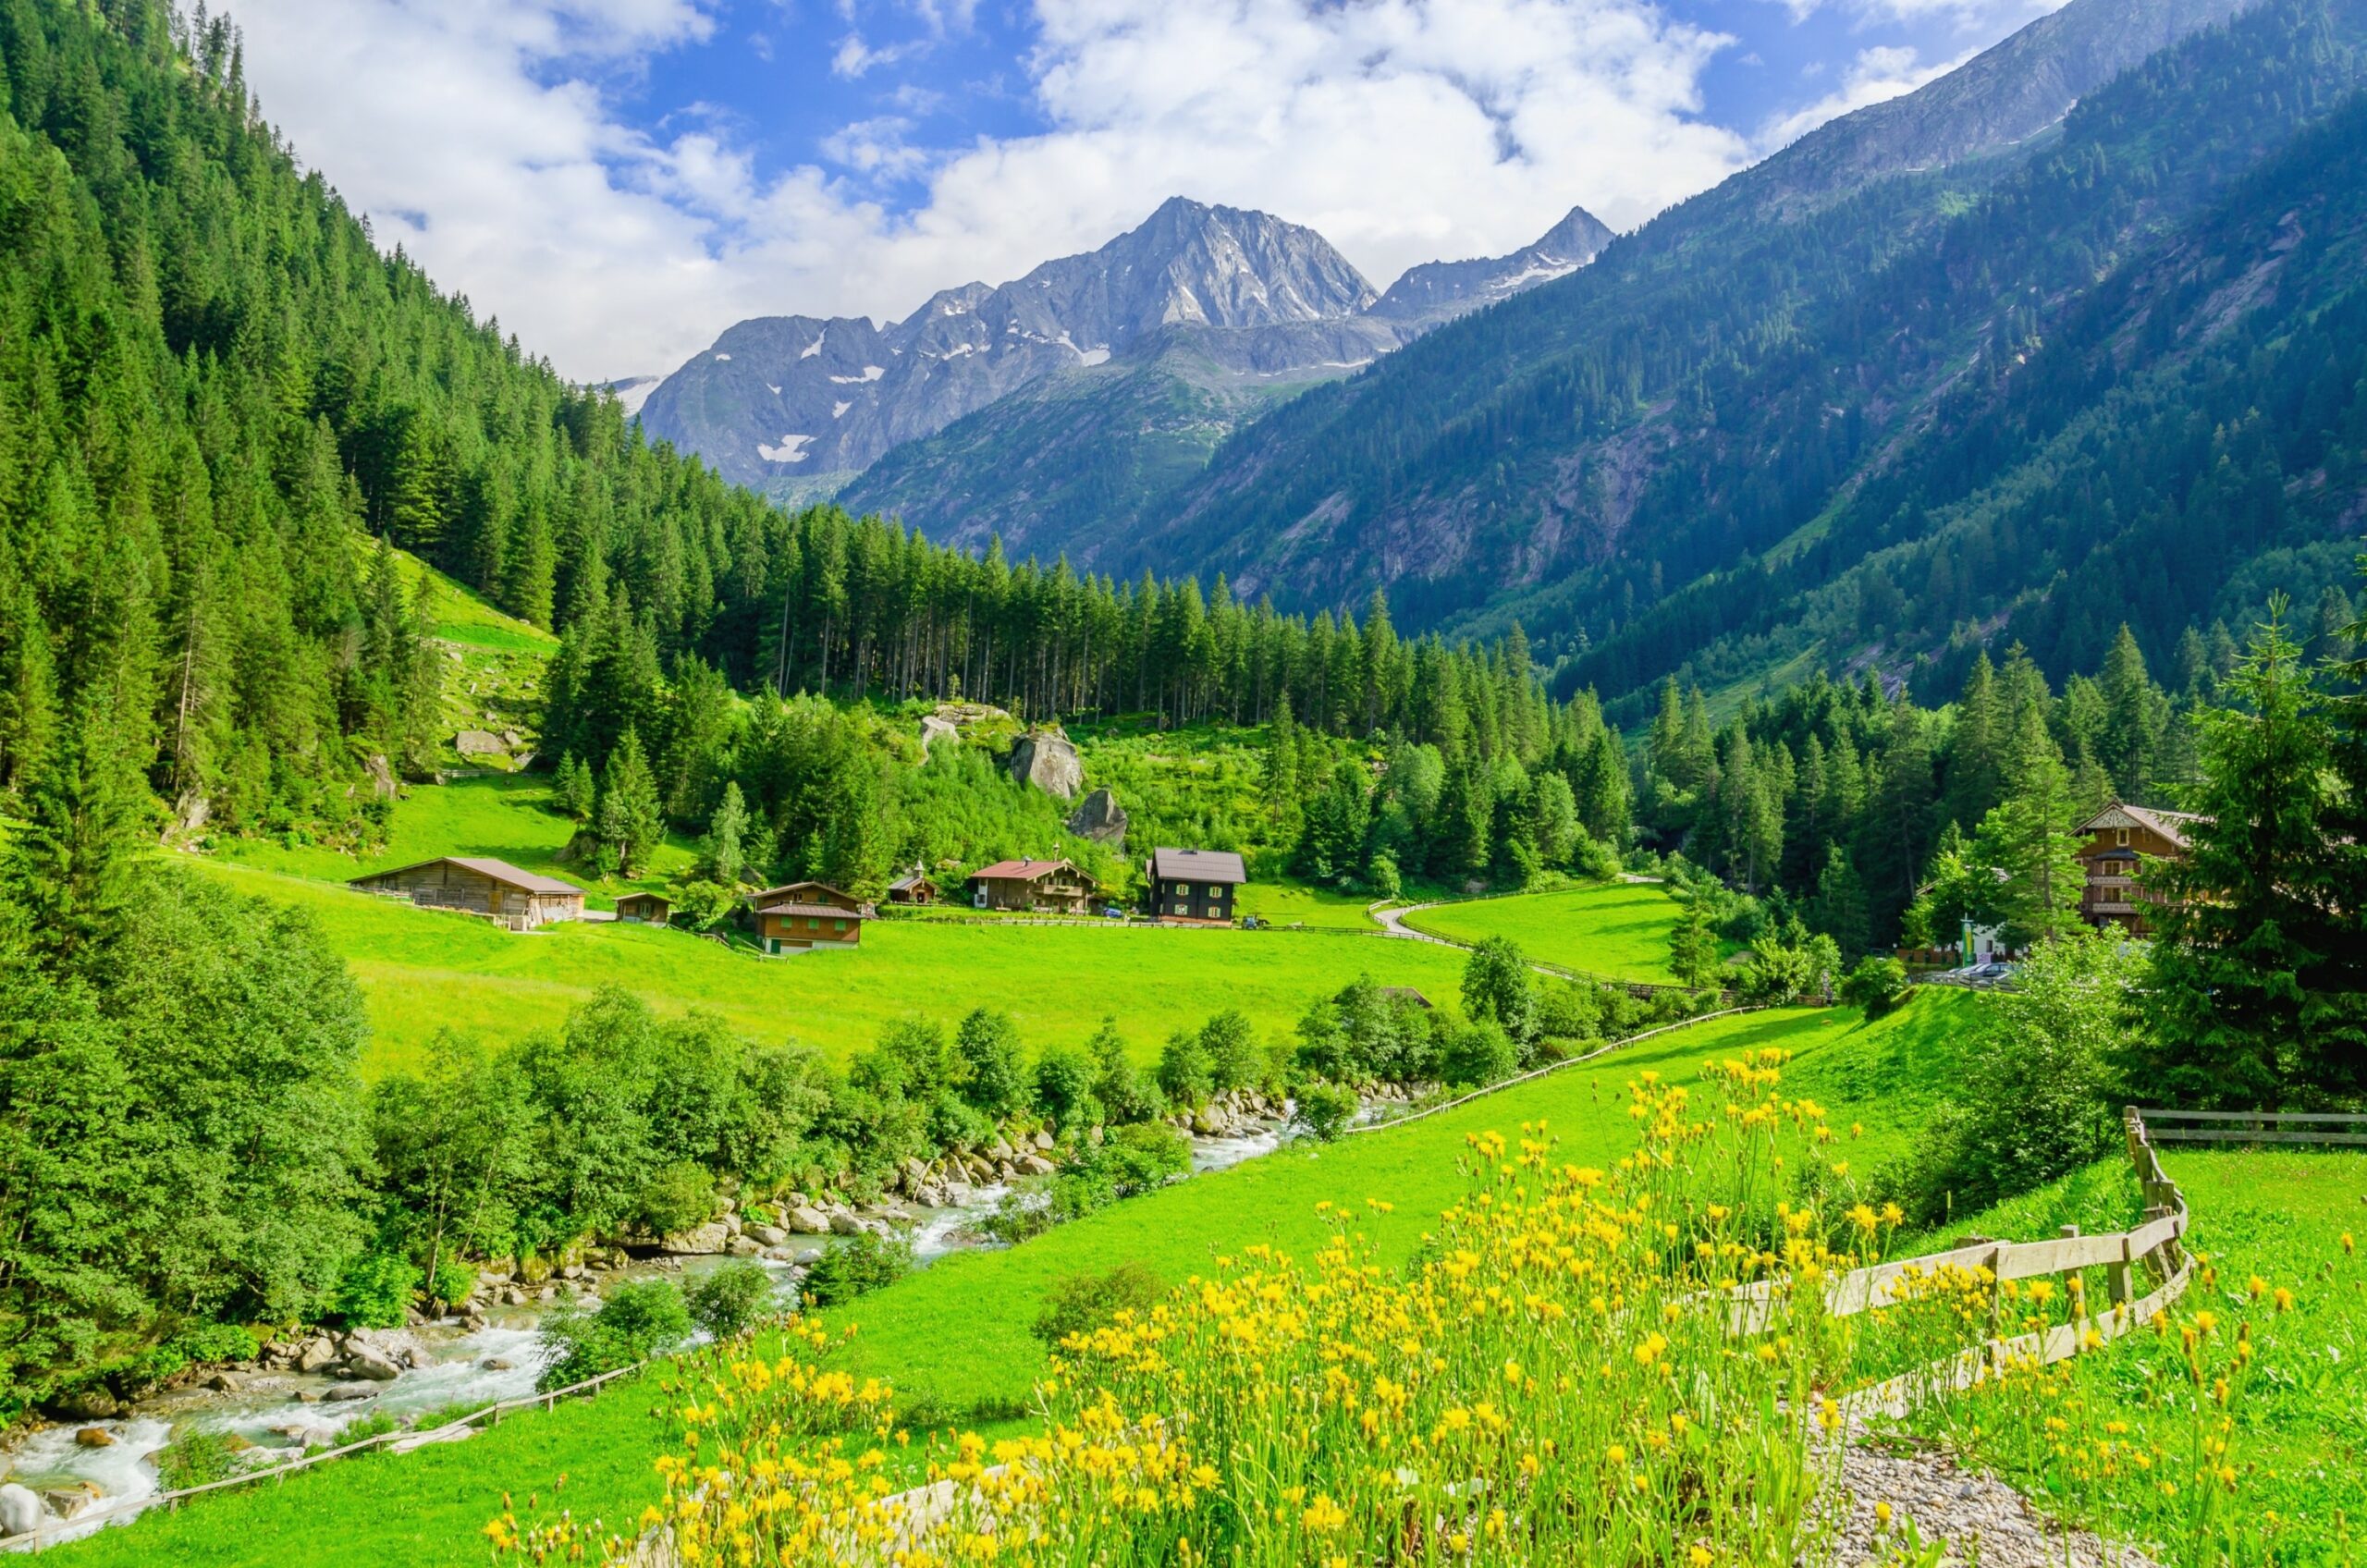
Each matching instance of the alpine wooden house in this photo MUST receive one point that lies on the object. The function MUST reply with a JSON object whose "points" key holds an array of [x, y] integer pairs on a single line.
{"points": [[1195, 887], [801, 916], [2120, 839], [1042, 887], [495, 888]]}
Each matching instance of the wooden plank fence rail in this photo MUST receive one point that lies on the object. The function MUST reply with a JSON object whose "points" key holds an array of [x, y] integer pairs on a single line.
{"points": [[48, 1533], [2259, 1126], [2156, 1245]]}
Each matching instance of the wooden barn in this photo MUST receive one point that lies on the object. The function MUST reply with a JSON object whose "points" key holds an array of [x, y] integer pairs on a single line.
{"points": [[1195, 887], [1042, 886], [802, 916], [494, 889], [651, 909]]}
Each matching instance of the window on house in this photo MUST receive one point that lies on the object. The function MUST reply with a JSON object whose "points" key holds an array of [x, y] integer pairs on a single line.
{"points": [[813, 922], [838, 926], [1183, 889], [2120, 836]]}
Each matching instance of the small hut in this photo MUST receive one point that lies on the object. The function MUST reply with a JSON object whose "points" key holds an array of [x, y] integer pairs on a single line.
{"points": [[494, 889], [651, 909], [913, 888]]}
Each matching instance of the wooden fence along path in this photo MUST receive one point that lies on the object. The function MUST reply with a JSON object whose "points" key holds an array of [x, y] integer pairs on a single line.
{"points": [[2155, 1250], [52, 1531]]}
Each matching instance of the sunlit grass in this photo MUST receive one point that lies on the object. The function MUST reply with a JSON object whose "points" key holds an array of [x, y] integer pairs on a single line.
{"points": [[1619, 931]]}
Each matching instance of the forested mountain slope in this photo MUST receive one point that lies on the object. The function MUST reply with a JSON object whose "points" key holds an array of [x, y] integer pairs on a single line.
{"points": [[1681, 456]]}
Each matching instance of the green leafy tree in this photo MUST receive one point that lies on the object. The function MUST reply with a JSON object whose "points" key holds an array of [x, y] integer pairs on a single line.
{"points": [[1694, 954], [1498, 987], [991, 1073]]}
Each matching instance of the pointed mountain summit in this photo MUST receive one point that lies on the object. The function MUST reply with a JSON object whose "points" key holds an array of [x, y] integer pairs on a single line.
{"points": [[1436, 291]]}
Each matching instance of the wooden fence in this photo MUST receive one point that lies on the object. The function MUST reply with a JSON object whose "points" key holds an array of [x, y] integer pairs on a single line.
{"points": [[49, 1531], [2155, 1250], [2259, 1126]]}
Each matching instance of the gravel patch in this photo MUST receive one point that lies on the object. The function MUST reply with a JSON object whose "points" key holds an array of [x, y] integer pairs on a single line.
{"points": [[1982, 1522]]}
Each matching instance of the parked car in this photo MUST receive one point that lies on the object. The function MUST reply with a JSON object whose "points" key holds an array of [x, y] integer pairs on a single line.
{"points": [[1112, 911], [1992, 970], [1251, 923]]}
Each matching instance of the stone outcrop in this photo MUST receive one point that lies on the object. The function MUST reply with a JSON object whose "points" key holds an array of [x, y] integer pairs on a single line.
{"points": [[1099, 817], [1048, 761], [20, 1510]]}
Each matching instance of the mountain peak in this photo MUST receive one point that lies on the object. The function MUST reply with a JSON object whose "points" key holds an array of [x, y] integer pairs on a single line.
{"points": [[1435, 291]]}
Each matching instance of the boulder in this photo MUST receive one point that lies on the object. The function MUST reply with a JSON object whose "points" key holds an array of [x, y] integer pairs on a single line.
{"points": [[346, 1393], [745, 1246], [224, 1383], [711, 1237], [495, 1364], [1034, 1165], [86, 1404], [317, 1355], [1047, 760], [370, 1366], [1210, 1121], [1044, 1139], [933, 730], [767, 1236], [955, 1192], [807, 1221], [20, 1509], [896, 1214], [479, 744], [999, 1152], [1099, 817], [94, 1436], [845, 1225], [67, 1501]]}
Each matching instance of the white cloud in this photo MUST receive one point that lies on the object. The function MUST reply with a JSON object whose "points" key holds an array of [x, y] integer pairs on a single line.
{"points": [[1402, 130], [1876, 75]]}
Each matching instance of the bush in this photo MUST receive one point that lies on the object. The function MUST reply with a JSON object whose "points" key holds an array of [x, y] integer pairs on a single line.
{"points": [[1083, 1303], [1479, 1053], [198, 1458], [704, 905], [726, 1300], [1184, 1071], [1132, 1160], [1064, 1087], [1230, 1047], [636, 1322], [453, 1284], [680, 1197], [1325, 1110], [1877, 984], [375, 1290], [857, 1266]]}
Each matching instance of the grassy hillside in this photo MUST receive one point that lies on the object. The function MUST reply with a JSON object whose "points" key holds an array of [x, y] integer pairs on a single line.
{"points": [[422, 970], [2299, 1436], [959, 1329], [1620, 932]]}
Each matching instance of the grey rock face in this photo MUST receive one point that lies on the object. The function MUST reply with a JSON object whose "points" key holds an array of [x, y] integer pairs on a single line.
{"points": [[1048, 762], [1099, 817], [1439, 289], [799, 405]]}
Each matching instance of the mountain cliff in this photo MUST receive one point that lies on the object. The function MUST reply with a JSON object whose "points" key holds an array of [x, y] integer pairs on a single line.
{"points": [[799, 405]]}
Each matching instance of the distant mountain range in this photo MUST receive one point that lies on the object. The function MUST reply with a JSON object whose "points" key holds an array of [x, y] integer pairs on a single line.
{"points": [[799, 405]]}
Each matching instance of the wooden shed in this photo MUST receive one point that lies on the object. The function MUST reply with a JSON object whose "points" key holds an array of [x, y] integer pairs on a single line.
{"points": [[913, 888], [652, 908], [800, 916], [495, 888]]}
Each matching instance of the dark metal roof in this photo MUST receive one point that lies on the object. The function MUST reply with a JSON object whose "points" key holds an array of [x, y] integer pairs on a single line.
{"points": [[1198, 865], [833, 911], [499, 870]]}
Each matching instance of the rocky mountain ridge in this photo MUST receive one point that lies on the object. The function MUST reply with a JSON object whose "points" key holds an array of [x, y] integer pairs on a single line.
{"points": [[798, 405]]}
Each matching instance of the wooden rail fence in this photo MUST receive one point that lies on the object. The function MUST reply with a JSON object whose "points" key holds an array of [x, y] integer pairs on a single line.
{"points": [[2259, 1126], [2155, 1250]]}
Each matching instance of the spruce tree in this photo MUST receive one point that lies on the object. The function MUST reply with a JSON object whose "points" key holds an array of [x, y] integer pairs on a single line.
{"points": [[2027, 838], [69, 871], [2246, 999], [630, 824]]}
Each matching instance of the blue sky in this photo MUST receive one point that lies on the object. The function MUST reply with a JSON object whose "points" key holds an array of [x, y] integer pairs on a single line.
{"points": [[621, 179]]}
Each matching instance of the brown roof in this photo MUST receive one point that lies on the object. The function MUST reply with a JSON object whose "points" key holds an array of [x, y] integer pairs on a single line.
{"points": [[787, 888], [834, 911], [499, 870], [1198, 865], [624, 899], [1025, 870], [2170, 825]]}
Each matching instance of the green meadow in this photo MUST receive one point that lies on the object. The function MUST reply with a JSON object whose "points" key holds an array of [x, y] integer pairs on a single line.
{"points": [[1619, 931], [958, 1331], [422, 970]]}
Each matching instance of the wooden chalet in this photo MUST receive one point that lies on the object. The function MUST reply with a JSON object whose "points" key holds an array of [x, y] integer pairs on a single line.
{"points": [[2120, 839], [913, 888], [800, 916], [495, 888], [1042, 886], [1194, 887], [651, 909]]}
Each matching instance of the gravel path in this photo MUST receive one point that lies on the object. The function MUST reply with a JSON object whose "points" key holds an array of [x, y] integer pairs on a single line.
{"points": [[1983, 1522]]}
